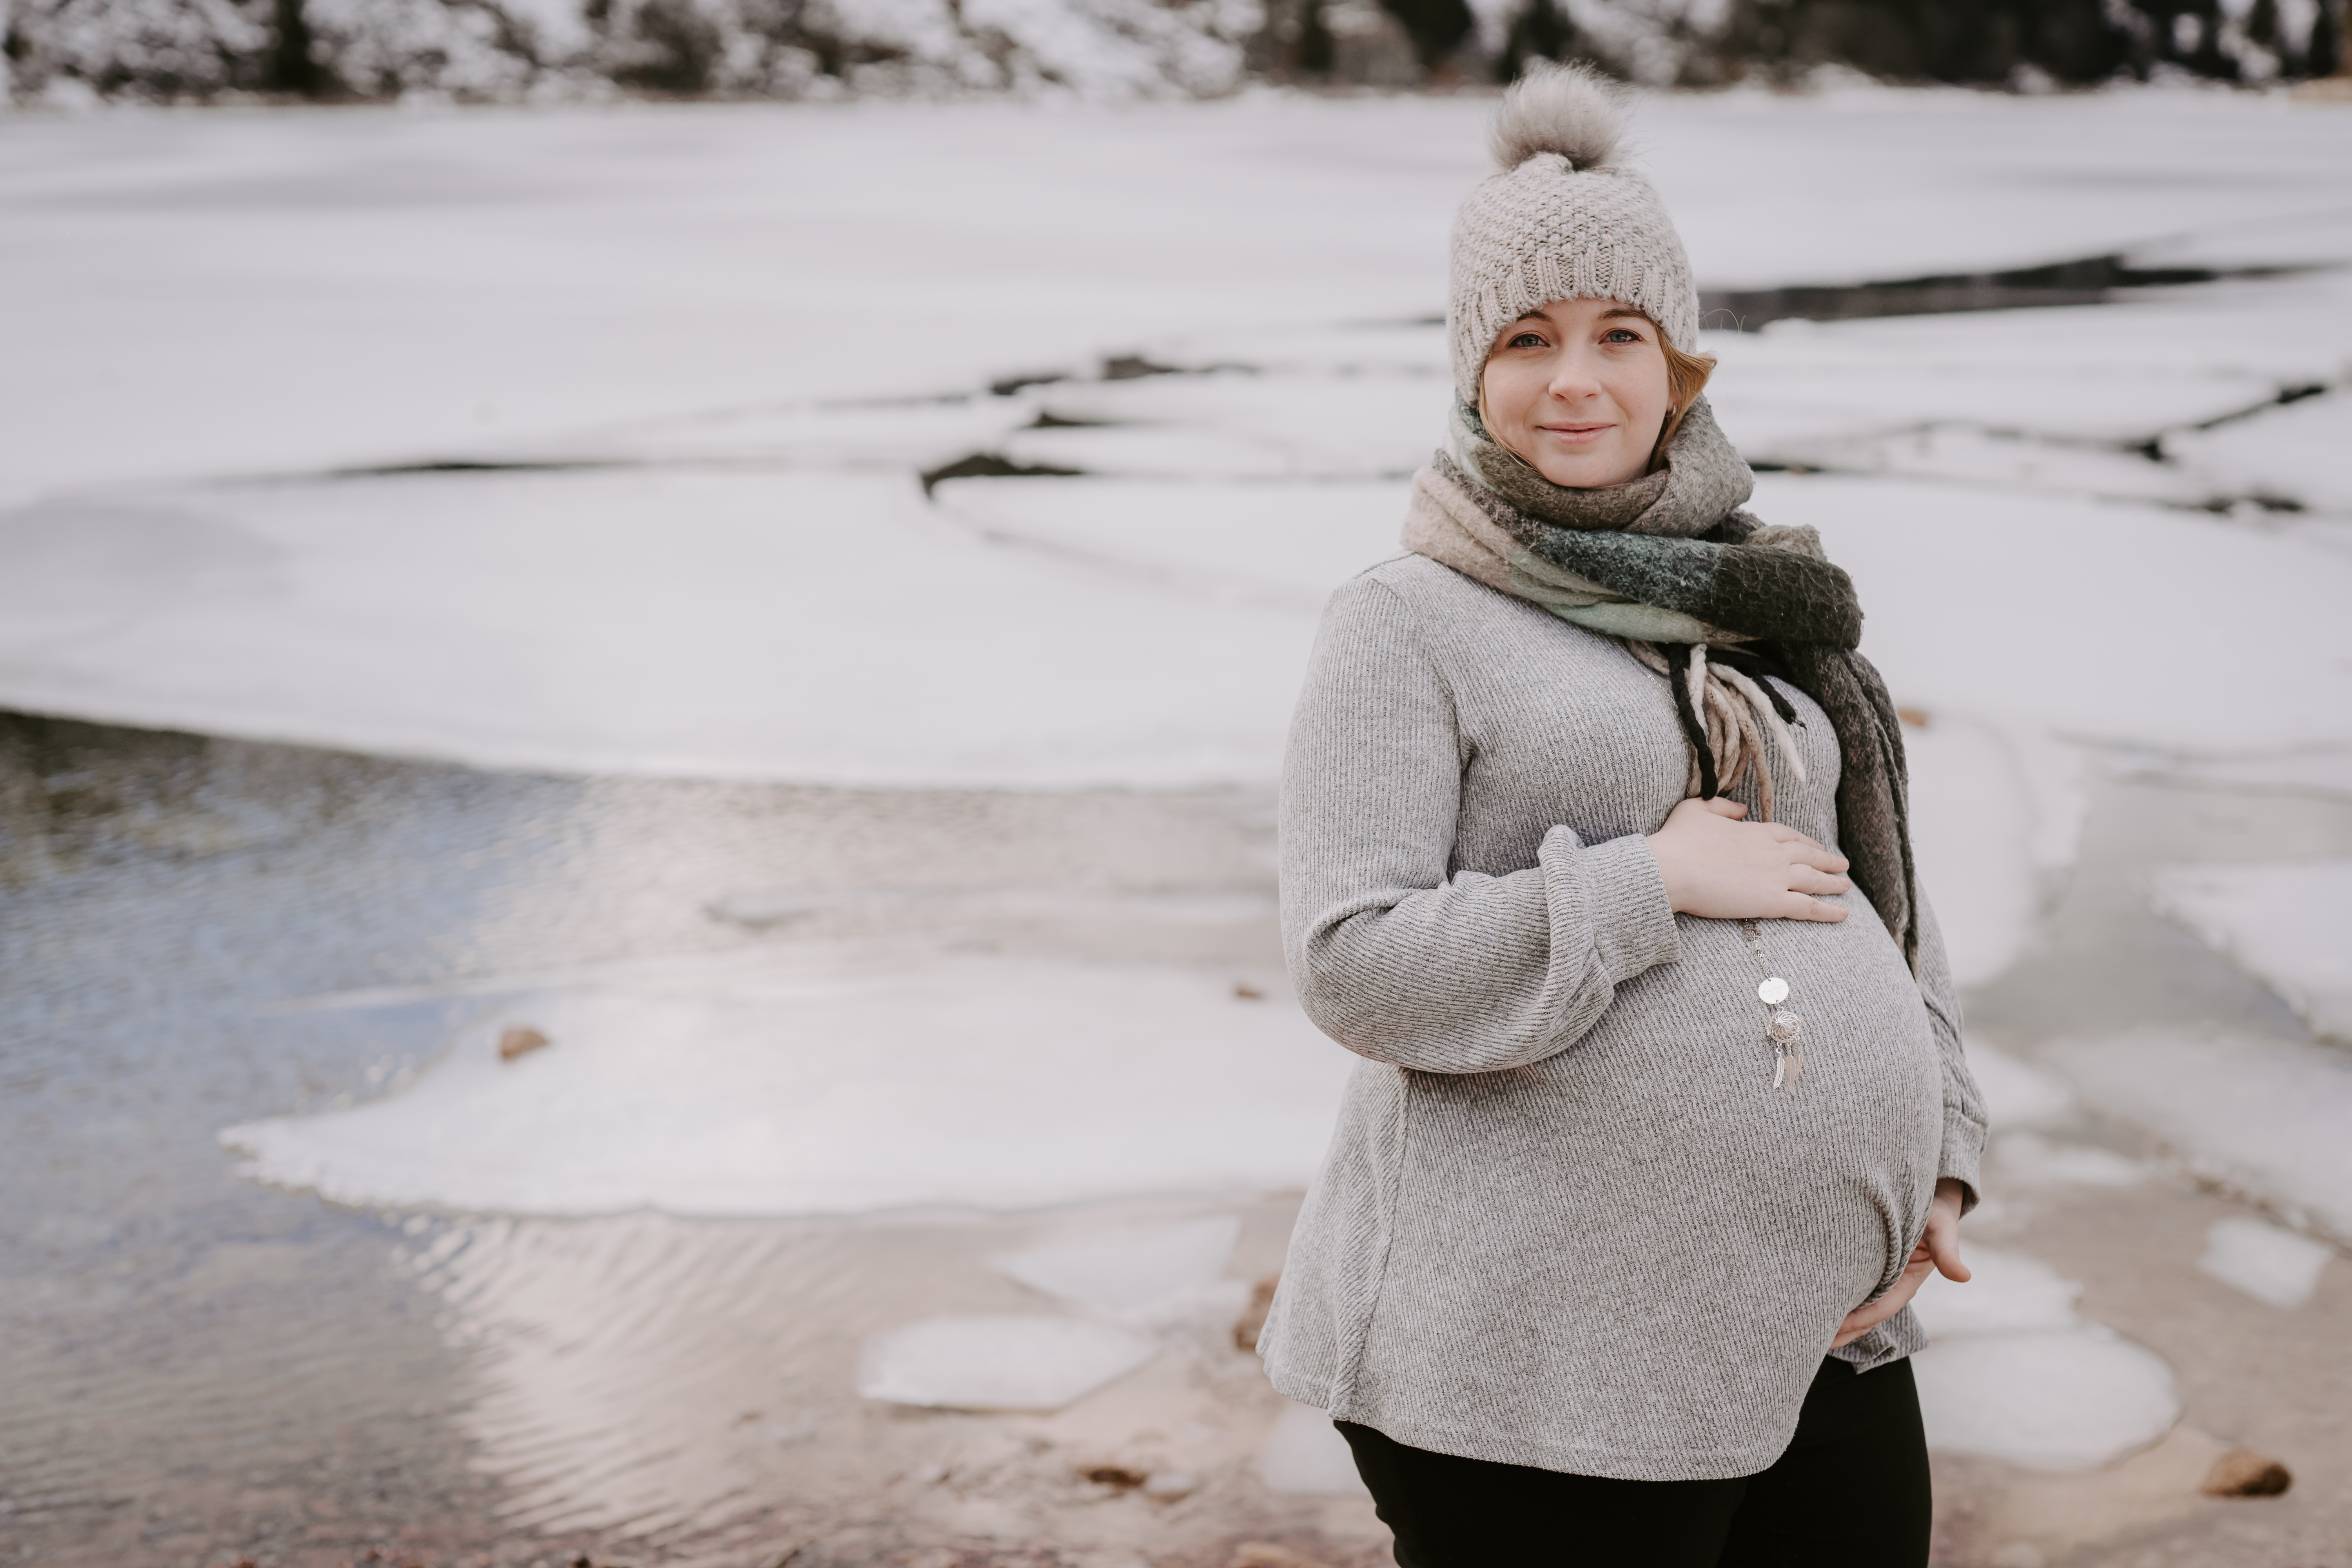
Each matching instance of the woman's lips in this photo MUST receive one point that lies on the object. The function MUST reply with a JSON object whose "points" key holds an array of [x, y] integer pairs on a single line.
{"points": [[1575, 432]]}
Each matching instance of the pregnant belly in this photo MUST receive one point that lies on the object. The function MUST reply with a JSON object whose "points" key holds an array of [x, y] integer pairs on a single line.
{"points": [[1670, 1100]]}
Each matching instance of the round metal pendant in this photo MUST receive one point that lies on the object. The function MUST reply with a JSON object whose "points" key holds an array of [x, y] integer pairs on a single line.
{"points": [[1773, 991], [1784, 1029]]}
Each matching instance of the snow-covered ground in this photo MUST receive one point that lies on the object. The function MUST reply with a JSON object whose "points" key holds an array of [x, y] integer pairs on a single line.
{"points": [[726, 342]]}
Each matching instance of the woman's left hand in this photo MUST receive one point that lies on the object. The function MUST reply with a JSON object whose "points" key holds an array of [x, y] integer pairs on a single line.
{"points": [[1938, 1249]]}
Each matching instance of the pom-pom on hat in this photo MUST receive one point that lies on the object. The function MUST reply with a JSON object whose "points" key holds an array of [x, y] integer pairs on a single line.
{"points": [[1562, 218]]}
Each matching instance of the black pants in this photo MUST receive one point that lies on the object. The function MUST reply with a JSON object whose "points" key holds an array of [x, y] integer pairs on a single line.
{"points": [[1849, 1492]]}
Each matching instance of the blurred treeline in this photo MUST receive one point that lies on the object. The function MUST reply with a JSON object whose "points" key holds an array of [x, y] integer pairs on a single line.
{"points": [[66, 51]]}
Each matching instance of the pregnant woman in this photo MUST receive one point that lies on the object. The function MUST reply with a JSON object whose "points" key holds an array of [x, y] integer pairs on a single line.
{"points": [[1593, 844]]}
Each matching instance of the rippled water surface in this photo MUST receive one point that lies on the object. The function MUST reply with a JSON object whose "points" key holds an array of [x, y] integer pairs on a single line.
{"points": [[201, 931]]}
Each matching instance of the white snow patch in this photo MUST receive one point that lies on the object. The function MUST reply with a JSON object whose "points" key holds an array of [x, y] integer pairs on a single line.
{"points": [[1304, 1456], [2265, 1262], [2057, 1399], [2017, 1093], [1141, 1271], [2267, 1115], [999, 1363], [997, 1084], [2286, 924]]}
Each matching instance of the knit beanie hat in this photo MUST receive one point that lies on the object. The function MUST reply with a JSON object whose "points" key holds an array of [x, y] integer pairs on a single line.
{"points": [[1561, 219]]}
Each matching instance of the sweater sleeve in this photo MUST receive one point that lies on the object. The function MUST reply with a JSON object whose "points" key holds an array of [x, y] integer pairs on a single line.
{"points": [[1395, 955], [1964, 1107]]}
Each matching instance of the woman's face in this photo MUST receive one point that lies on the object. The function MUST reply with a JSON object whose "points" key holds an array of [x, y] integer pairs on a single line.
{"points": [[1578, 389]]}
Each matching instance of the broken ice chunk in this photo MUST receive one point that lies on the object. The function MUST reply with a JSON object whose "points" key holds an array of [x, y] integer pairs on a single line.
{"points": [[1305, 1456], [2030, 1158], [2263, 1114], [2016, 1094], [998, 1362], [2265, 1262], [2007, 1292], [2056, 1399], [1141, 1270]]}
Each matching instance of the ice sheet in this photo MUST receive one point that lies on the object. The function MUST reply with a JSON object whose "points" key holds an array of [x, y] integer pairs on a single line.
{"points": [[2286, 924], [229, 293], [987, 1083], [819, 628], [782, 625], [1276, 544], [1268, 424], [2265, 1116], [2255, 650], [1867, 184], [2053, 1399], [2294, 453], [235, 293], [2271, 1265], [1140, 1271], [2101, 373], [999, 1363], [709, 287]]}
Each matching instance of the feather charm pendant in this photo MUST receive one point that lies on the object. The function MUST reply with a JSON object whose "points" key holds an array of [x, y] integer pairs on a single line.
{"points": [[1784, 1030]]}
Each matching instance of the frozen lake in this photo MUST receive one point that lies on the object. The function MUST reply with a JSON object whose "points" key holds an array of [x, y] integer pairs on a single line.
{"points": [[753, 594]]}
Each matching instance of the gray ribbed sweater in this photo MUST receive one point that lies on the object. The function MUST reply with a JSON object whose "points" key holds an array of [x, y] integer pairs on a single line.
{"points": [[1565, 1220]]}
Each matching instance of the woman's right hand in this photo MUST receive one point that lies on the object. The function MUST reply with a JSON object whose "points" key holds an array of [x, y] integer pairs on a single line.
{"points": [[1722, 869]]}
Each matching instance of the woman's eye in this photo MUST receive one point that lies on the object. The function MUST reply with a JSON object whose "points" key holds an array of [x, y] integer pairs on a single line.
{"points": [[1621, 335], [1527, 341]]}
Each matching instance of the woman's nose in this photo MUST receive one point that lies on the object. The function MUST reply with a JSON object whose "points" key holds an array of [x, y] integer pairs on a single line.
{"points": [[1572, 377]]}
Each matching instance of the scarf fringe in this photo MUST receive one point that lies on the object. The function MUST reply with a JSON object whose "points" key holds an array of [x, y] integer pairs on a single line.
{"points": [[1727, 717]]}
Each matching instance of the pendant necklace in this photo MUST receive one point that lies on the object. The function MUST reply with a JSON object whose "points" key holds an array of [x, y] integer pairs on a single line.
{"points": [[1782, 1027]]}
